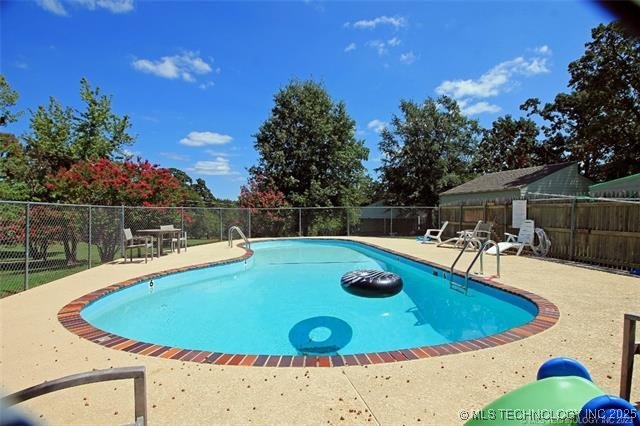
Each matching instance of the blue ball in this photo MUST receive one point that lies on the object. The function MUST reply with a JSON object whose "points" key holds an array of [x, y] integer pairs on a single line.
{"points": [[608, 410], [562, 366]]}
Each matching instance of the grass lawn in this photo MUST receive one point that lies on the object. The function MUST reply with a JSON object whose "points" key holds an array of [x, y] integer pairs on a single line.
{"points": [[12, 265]]}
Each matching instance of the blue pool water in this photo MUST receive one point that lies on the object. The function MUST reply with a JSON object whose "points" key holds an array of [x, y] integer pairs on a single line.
{"points": [[287, 300]]}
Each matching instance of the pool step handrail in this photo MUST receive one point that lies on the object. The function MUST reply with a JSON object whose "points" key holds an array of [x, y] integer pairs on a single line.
{"points": [[483, 245], [241, 234]]}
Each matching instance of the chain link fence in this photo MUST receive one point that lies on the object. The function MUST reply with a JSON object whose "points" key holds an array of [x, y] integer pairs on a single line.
{"points": [[42, 242]]}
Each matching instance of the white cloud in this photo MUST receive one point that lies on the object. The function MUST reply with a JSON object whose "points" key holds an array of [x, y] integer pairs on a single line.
{"points": [[543, 50], [113, 6], [499, 79], [175, 156], [53, 6], [408, 57], [350, 47], [218, 167], [21, 64], [477, 108], [379, 46], [206, 85], [494, 81], [182, 66], [205, 138], [382, 46], [395, 41], [377, 125], [394, 21]]}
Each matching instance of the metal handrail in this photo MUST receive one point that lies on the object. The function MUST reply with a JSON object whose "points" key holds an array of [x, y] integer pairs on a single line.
{"points": [[464, 247], [480, 253], [484, 249], [482, 246], [468, 240], [135, 373], [240, 233]]}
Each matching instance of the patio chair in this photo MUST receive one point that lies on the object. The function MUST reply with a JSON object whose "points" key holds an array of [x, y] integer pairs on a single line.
{"points": [[434, 234], [173, 240], [478, 235], [132, 242], [181, 241], [523, 239]]}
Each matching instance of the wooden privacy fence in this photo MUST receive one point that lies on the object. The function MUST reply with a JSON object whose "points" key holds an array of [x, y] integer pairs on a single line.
{"points": [[604, 233]]}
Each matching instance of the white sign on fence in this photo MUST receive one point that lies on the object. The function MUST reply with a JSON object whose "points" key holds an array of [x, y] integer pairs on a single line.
{"points": [[518, 213]]}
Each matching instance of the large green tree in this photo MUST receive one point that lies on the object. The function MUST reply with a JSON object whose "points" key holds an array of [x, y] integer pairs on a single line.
{"points": [[14, 170], [308, 148], [426, 150], [508, 144], [598, 122], [8, 100], [198, 193], [98, 131], [60, 136]]}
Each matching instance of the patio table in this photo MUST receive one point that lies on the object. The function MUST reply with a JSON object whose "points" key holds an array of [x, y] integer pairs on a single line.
{"points": [[159, 234]]}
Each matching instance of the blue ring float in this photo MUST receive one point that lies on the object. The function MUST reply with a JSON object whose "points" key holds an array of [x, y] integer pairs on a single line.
{"points": [[301, 338]]}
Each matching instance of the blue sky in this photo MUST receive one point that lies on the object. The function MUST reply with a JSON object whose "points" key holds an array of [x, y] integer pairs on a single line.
{"points": [[198, 78]]}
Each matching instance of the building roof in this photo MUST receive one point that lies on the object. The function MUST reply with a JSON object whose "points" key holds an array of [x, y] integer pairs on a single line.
{"points": [[508, 179], [628, 186], [631, 179]]}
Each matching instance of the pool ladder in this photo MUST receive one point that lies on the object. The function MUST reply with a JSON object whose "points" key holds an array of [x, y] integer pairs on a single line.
{"points": [[482, 247], [241, 234]]}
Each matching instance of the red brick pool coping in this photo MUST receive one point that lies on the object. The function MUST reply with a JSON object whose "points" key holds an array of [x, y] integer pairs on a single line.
{"points": [[69, 317]]}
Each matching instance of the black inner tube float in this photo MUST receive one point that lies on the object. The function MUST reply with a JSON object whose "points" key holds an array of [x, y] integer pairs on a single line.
{"points": [[367, 283]]}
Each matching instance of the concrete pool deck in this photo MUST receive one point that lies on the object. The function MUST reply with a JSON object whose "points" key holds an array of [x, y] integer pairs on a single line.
{"points": [[35, 347]]}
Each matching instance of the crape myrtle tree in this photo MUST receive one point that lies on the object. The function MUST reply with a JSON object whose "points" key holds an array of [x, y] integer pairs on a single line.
{"points": [[307, 148], [264, 200], [59, 136], [110, 183], [426, 150], [508, 144], [597, 123]]}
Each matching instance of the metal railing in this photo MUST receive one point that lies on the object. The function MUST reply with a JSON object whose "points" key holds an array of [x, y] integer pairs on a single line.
{"points": [[42, 242], [241, 234], [482, 247], [135, 373]]}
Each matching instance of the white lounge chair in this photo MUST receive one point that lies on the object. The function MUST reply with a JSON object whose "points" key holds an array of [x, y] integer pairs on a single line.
{"points": [[434, 234], [523, 239], [480, 233]]}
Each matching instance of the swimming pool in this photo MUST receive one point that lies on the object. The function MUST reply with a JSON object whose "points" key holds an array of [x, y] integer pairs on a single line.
{"points": [[286, 299]]}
